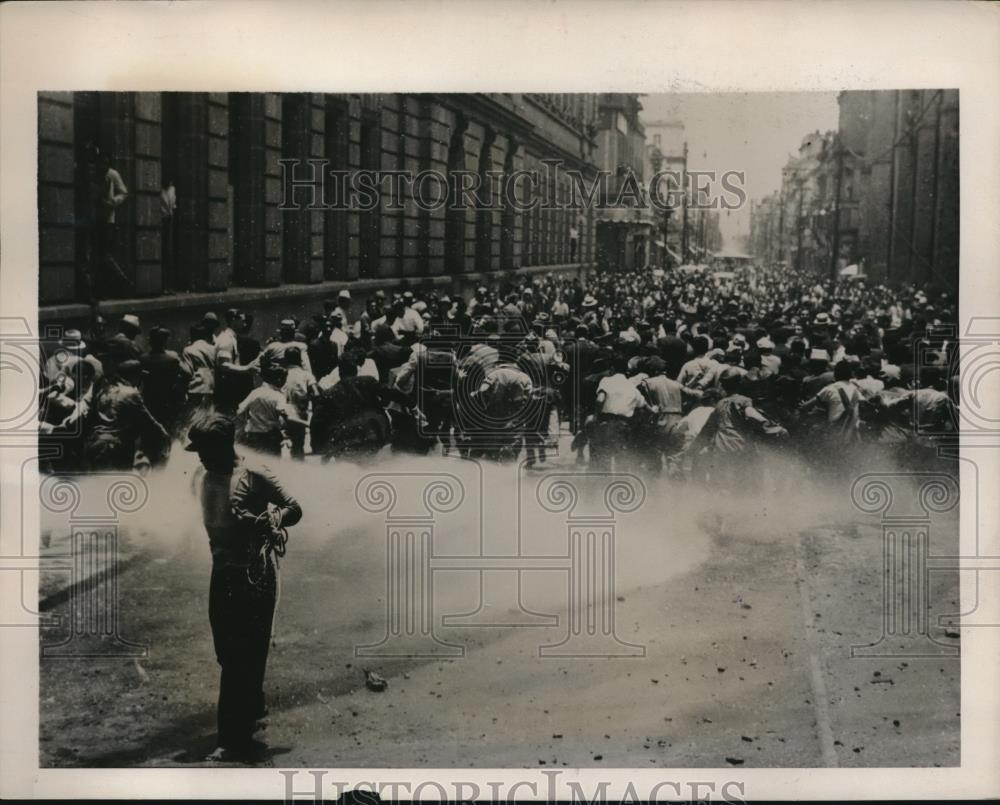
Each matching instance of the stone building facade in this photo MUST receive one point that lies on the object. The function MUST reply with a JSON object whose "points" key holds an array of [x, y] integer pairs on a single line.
{"points": [[798, 224], [623, 233], [902, 158], [232, 241]]}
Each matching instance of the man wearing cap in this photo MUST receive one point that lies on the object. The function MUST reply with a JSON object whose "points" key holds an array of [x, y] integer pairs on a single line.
{"points": [[274, 352], [343, 309], [210, 322], [442, 323], [768, 359], [338, 334], [68, 354], [411, 322], [240, 508], [122, 345]]}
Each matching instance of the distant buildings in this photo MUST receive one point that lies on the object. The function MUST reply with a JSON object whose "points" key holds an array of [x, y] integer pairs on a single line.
{"points": [[666, 150], [687, 233], [808, 190], [623, 233], [882, 193]]}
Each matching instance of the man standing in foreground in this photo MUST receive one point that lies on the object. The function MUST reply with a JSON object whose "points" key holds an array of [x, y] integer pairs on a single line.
{"points": [[241, 509]]}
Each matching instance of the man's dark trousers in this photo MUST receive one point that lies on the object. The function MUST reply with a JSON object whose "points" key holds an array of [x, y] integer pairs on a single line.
{"points": [[241, 611]]}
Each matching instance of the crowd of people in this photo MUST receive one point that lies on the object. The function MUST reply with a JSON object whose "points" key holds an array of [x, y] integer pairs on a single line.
{"points": [[685, 371], [693, 374]]}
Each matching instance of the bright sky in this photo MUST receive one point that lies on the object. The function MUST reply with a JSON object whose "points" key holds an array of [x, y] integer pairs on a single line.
{"points": [[754, 132]]}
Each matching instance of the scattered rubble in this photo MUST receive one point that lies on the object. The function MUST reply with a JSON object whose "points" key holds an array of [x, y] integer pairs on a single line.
{"points": [[375, 682]]}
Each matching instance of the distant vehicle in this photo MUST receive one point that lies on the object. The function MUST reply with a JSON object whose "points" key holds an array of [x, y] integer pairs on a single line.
{"points": [[852, 271], [730, 261]]}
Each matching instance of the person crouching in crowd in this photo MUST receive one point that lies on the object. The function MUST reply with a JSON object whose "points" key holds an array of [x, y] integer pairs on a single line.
{"points": [[123, 434], [732, 435]]}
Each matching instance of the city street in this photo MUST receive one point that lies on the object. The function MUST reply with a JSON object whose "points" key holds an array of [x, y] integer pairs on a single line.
{"points": [[747, 609]]}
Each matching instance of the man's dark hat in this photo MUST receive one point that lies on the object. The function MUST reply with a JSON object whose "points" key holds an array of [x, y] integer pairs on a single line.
{"points": [[213, 430]]}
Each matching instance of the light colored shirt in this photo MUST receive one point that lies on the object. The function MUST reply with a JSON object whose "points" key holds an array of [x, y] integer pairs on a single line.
{"points": [[274, 352], [227, 346], [298, 384], [262, 410], [869, 386], [666, 394], [168, 201], [505, 389], [113, 194], [396, 325], [411, 321], [200, 358], [701, 372], [772, 362], [621, 397], [841, 399], [339, 340]]}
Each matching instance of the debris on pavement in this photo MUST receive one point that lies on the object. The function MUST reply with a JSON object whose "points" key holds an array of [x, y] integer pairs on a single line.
{"points": [[375, 682]]}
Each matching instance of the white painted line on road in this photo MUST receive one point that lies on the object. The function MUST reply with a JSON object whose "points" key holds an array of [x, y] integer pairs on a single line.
{"points": [[819, 697]]}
